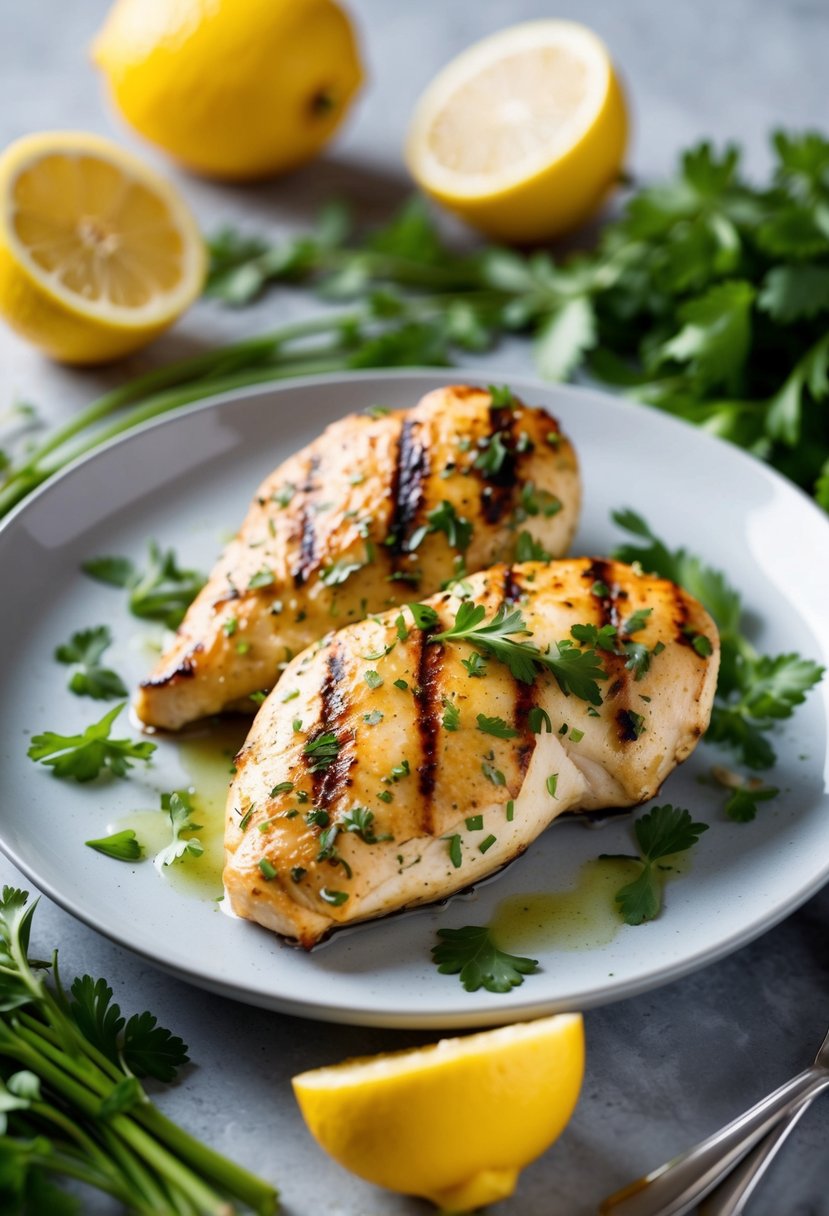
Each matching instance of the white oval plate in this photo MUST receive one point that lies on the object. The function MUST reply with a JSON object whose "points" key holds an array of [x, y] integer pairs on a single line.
{"points": [[186, 481]]}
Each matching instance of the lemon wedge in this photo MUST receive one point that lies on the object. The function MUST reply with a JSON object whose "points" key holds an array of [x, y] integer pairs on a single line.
{"points": [[98, 254], [456, 1121], [523, 134]]}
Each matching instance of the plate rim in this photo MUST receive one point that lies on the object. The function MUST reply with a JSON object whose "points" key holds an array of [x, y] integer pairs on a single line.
{"points": [[518, 1009]]}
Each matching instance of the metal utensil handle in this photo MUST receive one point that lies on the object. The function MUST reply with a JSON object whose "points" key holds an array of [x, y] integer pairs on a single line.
{"points": [[678, 1186], [732, 1195]]}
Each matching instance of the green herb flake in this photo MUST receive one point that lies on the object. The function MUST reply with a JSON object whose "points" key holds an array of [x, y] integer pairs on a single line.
{"points": [[552, 785], [487, 844], [122, 846], [267, 870], [474, 823], [335, 898], [471, 954], [455, 855], [372, 678]]}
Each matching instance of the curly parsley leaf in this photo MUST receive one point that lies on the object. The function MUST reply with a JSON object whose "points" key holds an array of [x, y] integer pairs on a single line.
{"points": [[84, 651], [471, 954], [660, 833], [83, 757]]}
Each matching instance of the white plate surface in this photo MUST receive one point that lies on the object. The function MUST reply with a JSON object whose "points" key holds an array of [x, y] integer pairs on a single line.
{"points": [[186, 481]]}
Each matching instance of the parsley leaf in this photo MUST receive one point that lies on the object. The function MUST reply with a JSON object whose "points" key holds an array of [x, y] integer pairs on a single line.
{"points": [[529, 550], [147, 1049], [741, 804], [122, 846], [163, 592], [323, 751], [471, 954], [661, 832], [497, 727], [451, 715], [84, 650], [457, 529], [83, 757], [361, 821]]}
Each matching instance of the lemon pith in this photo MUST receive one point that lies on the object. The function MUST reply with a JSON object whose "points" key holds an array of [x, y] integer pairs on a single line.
{"points": [[231, 88], [523, 134], [98, 254], [456, 1121]]}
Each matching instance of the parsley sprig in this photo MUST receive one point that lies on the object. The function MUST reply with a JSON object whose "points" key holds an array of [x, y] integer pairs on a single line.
{"points": [[162, 592], [179, 807], [755, 692], [575, 671], [76, 1107], [660, 833], [472, 955], [83, 757]]}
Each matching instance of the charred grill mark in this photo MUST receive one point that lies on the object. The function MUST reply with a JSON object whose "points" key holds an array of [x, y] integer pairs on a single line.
{"points": [[628, 730], [184, 671], [498, 492], [427, 703], [328, 782], [512, 588], [406, 489], [680, 616], [305, 532], [601, 571], [524, 702]]}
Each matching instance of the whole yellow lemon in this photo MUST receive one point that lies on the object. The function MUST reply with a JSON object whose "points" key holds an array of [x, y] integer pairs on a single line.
{"points": [[231, 88]]}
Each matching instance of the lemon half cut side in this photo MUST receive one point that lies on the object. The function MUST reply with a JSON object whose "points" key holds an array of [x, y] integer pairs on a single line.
{"points": [[455, 1121], [98, 253], [524, 133]]}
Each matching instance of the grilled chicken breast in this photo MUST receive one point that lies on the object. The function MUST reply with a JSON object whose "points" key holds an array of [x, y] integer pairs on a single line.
{"points": [[384, 771], [377, 511]]}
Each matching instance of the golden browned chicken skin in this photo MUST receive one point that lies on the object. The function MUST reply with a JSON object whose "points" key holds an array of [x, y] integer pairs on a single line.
{"points": [[369, 782], [376, 512]]}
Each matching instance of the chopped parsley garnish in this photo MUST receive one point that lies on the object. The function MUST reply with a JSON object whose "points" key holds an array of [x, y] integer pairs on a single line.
{"points": [[537, 502], [400, 627], [475, 665], [258, 697], [323, 751], [284, 787], [340, 571], [552, 784], [493, 774], [385, 795], [600, 590], [444, 518], [163, 592], [179, 807], [317, 817], [335, 898], [497, 727], [659, 833], [471, 954], [298, 873], [576, 736], [455, 856], [82, 757], [373, 678], [84, 651], [243, 647], [374, 717], [754, 692], [493, 452], [451, 715], [263, 577], [402, 685], [284, 494], [230, 626], [487, 844], [631, 723], [500, 397], [510, 811], [636, 622], [360, 821], [123, 846], [529, 550], [267, 869], [424, 616], [474, 823]]}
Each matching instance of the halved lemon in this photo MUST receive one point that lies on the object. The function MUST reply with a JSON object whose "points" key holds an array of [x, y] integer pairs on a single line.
{"points": [[523, 134], [455, 1121], [98, 253]]}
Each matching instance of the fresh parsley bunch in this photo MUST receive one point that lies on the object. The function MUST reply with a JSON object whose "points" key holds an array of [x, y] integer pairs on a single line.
{"points": [[72, 1104]]}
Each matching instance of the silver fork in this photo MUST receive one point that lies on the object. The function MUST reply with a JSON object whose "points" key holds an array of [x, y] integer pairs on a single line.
{"points": [[677, 1187]]}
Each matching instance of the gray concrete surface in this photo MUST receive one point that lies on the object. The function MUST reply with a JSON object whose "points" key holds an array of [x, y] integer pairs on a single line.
{"points": [[664, 1068]]}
